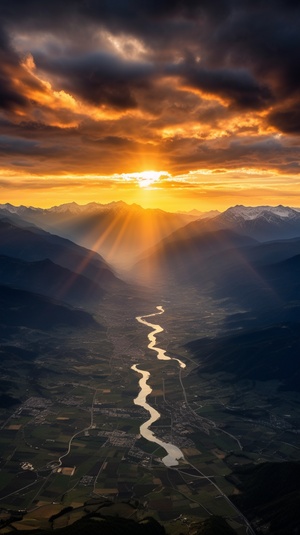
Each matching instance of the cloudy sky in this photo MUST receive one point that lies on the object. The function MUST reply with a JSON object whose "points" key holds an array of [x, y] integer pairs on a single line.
{"points": [[95, 93]]}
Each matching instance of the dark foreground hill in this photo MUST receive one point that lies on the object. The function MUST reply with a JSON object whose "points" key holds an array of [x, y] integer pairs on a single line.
{"points": [[19, 308], [97, 524], [270, 496]]}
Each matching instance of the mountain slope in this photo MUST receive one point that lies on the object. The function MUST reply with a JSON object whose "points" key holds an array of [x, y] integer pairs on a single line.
{"points": [[19, 308], [49, 279], [262, 223], [183, 255], [35, 244], [224, 264], [261, 354], [260, 277]]}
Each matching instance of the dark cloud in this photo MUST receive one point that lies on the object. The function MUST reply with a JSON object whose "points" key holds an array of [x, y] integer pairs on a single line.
{"points": [[11, 146], [159, 67], [266, 153], [9, 62], [85, 150], [100, 78], [115, 12], [265, 41], [113, 141], [237, 86], [287, 118], [9, 98], [248, 50], [52, 150]]}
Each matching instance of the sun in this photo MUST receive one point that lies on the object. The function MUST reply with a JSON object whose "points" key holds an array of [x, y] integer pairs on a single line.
{"points": [[147, 178]]}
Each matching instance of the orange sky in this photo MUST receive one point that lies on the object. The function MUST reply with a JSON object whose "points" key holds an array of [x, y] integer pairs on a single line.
{"points": [[202, 190], [206, 97]]}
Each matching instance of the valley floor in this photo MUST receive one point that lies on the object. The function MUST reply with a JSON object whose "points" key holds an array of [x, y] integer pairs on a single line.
{"points": [[73, 436]]}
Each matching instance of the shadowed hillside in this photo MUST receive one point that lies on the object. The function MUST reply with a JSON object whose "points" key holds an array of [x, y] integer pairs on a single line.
{"points": [[269, 353], [269, 496], [47, 278]]}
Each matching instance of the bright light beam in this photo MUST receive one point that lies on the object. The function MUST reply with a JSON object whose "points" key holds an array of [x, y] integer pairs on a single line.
{"points": [[146, 178]]}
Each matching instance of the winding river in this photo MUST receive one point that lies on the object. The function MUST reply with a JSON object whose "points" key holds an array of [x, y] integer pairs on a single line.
{"points": [[173, 452]]}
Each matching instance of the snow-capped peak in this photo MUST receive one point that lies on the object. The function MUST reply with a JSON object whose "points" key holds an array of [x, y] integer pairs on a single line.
{"points": [[249, 213]]}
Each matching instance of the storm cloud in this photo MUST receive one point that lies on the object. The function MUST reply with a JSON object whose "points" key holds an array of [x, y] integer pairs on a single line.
{"points": [[188, 83]]}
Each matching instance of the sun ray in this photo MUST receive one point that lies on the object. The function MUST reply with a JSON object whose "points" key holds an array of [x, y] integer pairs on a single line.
{"points": [[119, 236]]}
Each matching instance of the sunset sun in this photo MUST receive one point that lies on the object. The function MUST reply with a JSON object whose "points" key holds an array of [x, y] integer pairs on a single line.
{"points": [[147, 178]]}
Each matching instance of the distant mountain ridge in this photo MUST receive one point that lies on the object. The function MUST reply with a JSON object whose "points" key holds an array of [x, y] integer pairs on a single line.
{"points": [[123, 232], [118, 231], [200, 215]]}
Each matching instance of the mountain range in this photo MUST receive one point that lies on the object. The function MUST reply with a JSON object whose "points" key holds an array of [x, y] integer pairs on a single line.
{"points": [[118, 231], [122, 233], [229, 255], [246, 258]]}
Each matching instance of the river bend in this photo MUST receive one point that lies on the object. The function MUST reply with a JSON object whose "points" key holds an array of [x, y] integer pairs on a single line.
{"points": [[173, 452]]}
